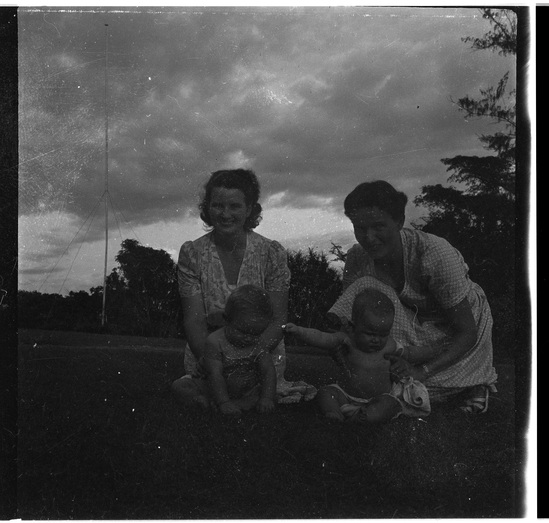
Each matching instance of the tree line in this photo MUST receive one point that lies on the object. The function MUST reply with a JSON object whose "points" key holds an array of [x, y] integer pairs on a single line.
{"points": [[475, 212], [143, 296]]}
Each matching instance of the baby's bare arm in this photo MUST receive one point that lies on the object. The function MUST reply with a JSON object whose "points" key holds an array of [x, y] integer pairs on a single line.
{"points": [[216, 381], [316, 338]]}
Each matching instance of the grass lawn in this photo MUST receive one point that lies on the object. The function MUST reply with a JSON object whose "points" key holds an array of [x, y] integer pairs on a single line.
{"points": [[101, 437]]}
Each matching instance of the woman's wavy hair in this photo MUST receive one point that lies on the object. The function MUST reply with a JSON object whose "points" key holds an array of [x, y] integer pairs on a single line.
{"points": [[244, 180], [380, 194]]}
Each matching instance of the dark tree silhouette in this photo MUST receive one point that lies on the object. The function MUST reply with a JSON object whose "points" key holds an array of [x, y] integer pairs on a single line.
{"points": [[477, 214], [143, 290], [314, 288]]}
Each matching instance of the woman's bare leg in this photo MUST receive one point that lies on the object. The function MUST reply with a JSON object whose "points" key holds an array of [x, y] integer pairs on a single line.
{"points": [[189, 392]]}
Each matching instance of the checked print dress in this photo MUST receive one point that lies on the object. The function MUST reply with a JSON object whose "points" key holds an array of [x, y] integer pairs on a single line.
{"points": [[436, 278]]}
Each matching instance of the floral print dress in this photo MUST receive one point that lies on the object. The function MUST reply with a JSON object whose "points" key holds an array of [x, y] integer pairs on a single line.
{"points": [[200, 272]]}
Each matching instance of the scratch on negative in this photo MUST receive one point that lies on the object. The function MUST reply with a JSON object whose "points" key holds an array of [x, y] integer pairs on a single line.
{"points": [[176, 101], [361, 99], [210, 122], [198, 114], [397, 154], [52, 25], [40, 155]]}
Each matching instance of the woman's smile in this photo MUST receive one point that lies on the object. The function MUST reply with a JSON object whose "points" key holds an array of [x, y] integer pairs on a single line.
{"points": [[228, 209], [377, 232]]}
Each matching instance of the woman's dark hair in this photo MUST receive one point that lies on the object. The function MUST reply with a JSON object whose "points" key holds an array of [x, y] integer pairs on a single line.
{"points": [[244, 180], [249, 299], [380, 194]]}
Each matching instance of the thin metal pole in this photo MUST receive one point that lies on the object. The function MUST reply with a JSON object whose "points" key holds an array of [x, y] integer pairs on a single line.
{"points": [[103, 314]]}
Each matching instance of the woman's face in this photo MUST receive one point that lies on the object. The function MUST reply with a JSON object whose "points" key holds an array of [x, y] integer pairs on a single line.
{"points": [[228, 210], [377, 232]]}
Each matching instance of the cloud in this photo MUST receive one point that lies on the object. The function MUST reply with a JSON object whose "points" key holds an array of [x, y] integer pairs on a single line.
{"points": [[315, 100]]}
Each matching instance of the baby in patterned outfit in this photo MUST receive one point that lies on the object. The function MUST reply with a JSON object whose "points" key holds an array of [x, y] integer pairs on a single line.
{"points": [[240, 376], [366, 392]]}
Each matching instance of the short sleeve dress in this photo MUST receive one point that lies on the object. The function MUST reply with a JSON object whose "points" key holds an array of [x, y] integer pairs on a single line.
{"points": [[200, 272], [436, 278]]}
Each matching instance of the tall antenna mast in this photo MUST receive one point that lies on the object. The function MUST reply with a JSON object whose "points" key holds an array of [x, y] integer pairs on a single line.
{"points": [[103, 314]]}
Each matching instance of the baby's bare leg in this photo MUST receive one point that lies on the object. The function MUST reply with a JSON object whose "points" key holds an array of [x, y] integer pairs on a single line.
{"points": [[380, 410], [329, 400], [247, 402]]}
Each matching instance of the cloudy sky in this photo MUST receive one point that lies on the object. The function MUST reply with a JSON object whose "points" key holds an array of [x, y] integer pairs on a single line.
{"points": [[314, 99]]}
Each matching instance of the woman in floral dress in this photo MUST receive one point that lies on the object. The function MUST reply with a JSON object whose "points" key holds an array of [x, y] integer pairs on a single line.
{"points": [[231, 255]]}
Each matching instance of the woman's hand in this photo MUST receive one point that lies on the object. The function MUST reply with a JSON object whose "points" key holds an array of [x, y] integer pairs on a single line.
{"points": [[265, 405], [400, 368], [444, 353], [230, 409], [216, 319]]}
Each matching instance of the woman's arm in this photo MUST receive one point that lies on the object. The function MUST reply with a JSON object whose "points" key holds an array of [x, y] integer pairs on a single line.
{"points": [[424, 353], [194, 324], [449, 286], [277, 285], [464, 336], [273, 333], [193, 307]]}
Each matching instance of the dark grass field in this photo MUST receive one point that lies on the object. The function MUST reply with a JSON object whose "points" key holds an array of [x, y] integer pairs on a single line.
{"points": [[100, 437]]}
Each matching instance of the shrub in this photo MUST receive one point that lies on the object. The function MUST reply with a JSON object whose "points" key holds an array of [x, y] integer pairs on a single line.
{"points": [[314, 288]]}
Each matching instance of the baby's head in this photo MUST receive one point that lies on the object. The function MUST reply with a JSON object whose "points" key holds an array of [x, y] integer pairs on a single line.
{"points": [[248, 312], [372, 318]]}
